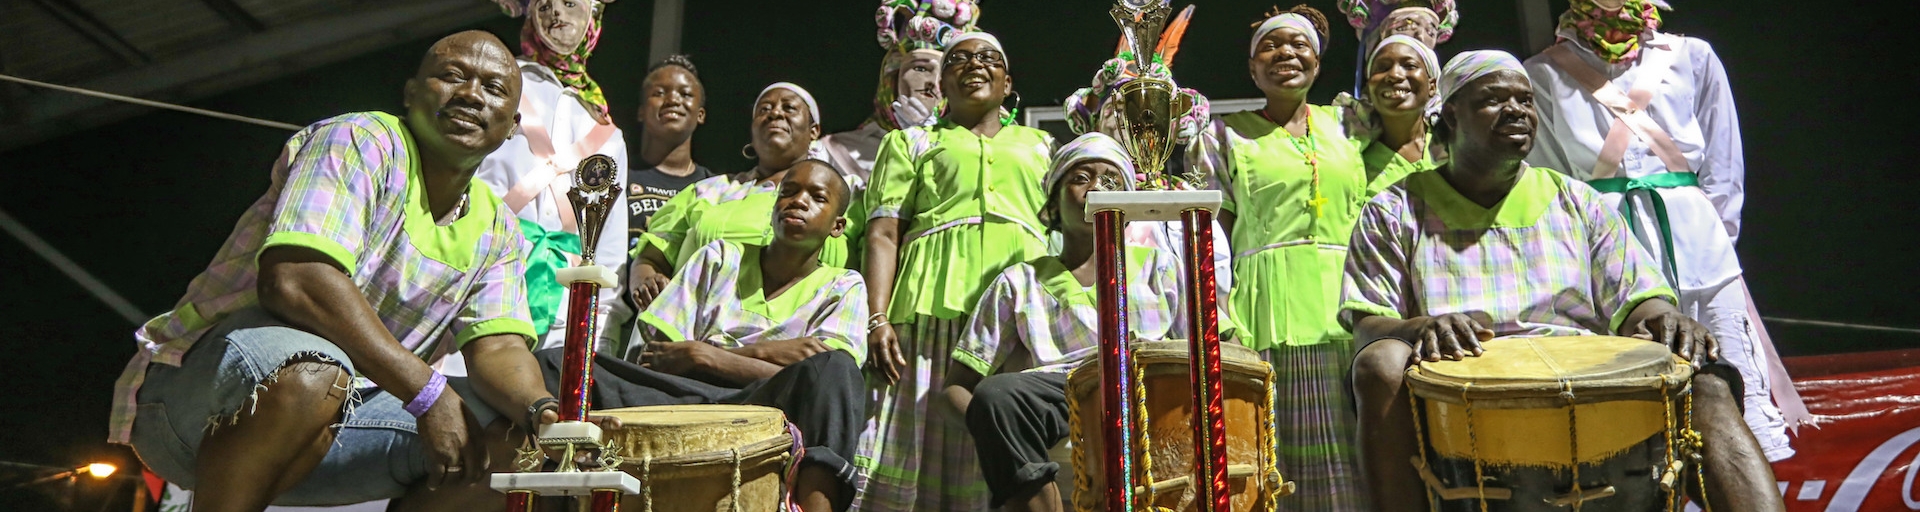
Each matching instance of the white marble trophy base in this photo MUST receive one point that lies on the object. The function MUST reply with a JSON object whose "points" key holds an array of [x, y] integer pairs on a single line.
{"points": [[595, 274], [575, 483], [1153, 205]]}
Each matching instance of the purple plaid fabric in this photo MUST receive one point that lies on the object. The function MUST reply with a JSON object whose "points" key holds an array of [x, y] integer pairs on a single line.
{"points": [[349, 188]]}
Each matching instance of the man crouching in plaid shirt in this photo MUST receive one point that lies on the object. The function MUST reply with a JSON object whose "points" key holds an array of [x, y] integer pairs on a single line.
{"points": [[296, 368]]}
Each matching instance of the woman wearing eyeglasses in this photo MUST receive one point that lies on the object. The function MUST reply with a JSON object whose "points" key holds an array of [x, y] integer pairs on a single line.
{"points": [[952, 205]]}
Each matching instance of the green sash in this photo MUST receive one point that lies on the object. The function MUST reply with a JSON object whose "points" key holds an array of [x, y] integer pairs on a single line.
{"points": [[1626, 186], [549, 255]]}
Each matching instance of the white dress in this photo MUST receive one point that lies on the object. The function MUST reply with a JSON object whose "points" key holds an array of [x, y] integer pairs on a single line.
{"points": [[1692, 102], [548, 106]]}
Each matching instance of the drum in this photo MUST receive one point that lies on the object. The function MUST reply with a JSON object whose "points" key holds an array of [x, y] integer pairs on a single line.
{"points": [[1162, 376], [704, 458], [1518, 427]]}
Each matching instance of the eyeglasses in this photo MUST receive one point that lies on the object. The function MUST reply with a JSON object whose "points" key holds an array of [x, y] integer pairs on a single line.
{"points": [[988, 58]]}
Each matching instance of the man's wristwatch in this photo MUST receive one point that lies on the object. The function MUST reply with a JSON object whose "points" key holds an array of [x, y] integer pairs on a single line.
{"points": [[533, 413]]}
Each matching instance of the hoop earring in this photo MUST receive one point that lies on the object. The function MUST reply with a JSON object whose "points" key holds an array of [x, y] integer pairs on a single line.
{"points": [[1013, 115], [747, 152]]}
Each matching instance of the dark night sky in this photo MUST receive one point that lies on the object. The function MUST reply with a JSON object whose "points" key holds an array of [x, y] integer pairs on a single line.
{"points": [[144, 203]]}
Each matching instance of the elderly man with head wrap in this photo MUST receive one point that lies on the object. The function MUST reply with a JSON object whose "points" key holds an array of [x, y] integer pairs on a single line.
{"points": [[1486, 246], [563, 119], [1648, 118]]}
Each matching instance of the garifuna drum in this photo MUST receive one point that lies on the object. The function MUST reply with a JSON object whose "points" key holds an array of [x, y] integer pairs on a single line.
{"points": [[1591, 423], [1165, 393], [704, 458]]}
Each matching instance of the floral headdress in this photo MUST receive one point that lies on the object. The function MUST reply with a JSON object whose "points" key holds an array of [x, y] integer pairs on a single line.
{"points": [[908, 25]]}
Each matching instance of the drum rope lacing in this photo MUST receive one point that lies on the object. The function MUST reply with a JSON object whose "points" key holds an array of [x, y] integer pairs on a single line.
{"points": [[1473, 444], [1421, 441], [646, 481], [1697, 445], [1673, 448], [1269, 442], [1086, 501], [733, 497], [1573, 442]]}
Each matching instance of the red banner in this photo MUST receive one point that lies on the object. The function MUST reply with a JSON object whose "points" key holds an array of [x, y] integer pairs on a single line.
{"points": [[1864, 452]]}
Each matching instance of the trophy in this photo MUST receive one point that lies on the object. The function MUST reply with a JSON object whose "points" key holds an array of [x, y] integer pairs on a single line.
{"points": [[1150, 103], [593, 197], [1150, 108]]}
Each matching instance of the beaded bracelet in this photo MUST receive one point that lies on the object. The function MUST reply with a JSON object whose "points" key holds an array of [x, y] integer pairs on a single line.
{"points": [[428, 394]]}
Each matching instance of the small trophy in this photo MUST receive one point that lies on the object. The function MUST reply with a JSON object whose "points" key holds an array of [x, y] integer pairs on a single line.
{"points": [[593, 197]]}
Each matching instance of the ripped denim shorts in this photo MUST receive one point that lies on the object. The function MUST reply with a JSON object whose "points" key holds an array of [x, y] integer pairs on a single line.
{"points": [[376, 453]]}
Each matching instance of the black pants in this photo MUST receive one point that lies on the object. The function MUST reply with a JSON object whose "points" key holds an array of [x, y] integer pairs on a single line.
{"points": [[824, 395], [1015, 418]]}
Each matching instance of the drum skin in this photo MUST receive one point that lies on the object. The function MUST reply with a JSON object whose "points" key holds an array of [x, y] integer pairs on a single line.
{"points": [[686, 455], [1169, 409], [1524, 407]]}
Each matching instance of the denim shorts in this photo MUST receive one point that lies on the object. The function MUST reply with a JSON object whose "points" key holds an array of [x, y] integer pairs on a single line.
{"points": [[376, 452]]}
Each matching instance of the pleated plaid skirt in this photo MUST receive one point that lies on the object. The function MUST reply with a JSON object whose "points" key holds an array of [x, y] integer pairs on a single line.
{"points": [[1315, 427]]}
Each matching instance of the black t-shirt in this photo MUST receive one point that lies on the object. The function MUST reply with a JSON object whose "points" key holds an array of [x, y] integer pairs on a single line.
{"points": [[649, 189]]}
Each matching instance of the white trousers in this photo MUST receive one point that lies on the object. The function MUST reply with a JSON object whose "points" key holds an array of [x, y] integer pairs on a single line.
{"points": [[1723, 309]]}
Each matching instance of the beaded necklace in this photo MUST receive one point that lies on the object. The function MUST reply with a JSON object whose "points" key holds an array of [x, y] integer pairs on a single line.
{"points": [[1310, 148]]}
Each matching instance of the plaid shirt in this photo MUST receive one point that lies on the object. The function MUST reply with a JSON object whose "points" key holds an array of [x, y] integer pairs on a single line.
{"points": [[717, 297], [1036, 317], [1550, 260], [349, 187]]}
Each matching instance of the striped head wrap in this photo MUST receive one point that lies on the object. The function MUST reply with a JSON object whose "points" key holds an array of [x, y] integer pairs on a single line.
{"points": [[1089, 147], [813, 107], [1471, 65], [1286, 20]]}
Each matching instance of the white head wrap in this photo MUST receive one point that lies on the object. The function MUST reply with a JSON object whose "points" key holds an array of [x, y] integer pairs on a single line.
{"points": [[1288, 20], [1471, 65], [1091, 146], [969, 36], [813, 107], [1427, 58]]}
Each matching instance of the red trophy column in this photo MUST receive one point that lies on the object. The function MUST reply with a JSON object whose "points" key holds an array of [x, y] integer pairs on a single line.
{"points": [[1116, 361], [1203, 346], [577, 375]]}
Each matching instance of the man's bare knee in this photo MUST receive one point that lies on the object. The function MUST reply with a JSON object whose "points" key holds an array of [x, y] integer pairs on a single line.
{"points": [[1381, 367], [308, 386], [312, 376], [1710, 388]]}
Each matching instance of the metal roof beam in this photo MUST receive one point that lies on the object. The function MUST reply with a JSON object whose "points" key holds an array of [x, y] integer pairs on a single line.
{"points": [[235, 15], [83, 22], [249, 60]]}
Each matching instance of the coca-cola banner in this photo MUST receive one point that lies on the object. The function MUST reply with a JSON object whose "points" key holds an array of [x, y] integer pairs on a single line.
{"points": [[1864, 451]]}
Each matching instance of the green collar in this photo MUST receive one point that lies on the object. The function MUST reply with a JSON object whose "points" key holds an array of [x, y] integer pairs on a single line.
{"points": [[452, 244], [1058, 280], [753, 292], [1522, 207]]}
